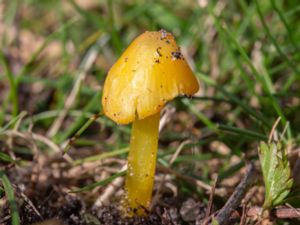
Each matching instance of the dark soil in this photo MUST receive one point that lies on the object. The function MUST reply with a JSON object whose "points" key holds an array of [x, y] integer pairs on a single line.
{"points": [[49, 204], [73, 212]]}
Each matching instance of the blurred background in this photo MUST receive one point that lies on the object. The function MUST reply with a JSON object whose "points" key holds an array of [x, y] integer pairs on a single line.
{"points": [[54, 56]]}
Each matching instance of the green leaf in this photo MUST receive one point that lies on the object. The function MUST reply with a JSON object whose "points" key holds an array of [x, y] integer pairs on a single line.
{"points": [[276, 173]]}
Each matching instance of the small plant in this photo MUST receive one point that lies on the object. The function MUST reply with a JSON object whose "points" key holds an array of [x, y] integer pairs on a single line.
{"points": [[276, 173], [149, 73]]}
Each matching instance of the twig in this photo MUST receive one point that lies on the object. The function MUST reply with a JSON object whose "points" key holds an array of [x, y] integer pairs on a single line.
{"points": [[109, 191], [276, 213], [237, 196], [210, 202], [177, 152], [272, 133], [286, 213], [166, 116], [245, 203], [28, 201]]}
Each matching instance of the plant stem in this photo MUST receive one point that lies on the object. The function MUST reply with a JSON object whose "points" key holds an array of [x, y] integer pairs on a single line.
{"points": [[141, 165]]}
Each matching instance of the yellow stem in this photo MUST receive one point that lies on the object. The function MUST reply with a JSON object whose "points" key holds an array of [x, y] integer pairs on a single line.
{"points": [[141, 165]]}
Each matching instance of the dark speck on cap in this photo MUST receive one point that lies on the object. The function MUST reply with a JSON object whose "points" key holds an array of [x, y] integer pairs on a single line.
{"points": [[158, 51], [176, 55]]}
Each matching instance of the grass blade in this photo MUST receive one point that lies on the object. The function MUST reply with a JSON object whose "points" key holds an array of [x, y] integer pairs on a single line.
{"points": [[80, 131], [101, 156], [89, 108], [234, 99], [13, 94], [199, 115], [11, 123], [277, 47], [243, 132], [15, 218], [262, 79], [6, 158], [113, 30], [100, 183], [285, 23], [35, 55]]}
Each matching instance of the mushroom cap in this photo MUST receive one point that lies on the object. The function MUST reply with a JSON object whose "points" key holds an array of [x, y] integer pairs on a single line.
{"points": [[150, 72]]}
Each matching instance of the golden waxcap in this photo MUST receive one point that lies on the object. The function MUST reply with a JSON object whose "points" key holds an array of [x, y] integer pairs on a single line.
{"points": [[149, 73]]}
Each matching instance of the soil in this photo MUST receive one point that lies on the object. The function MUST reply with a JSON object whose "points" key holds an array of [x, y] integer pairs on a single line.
{"points": [[48, 204]]}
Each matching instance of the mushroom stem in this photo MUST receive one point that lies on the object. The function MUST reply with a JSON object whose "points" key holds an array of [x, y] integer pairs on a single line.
{"points": [[141, 165]]}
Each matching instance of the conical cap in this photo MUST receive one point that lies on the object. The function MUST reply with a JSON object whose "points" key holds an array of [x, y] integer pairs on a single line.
{"points": [[150, 72]]}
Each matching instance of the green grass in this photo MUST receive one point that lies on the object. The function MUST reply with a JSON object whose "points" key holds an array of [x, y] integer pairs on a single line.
{"points": [[244, 53], [9, 192]]}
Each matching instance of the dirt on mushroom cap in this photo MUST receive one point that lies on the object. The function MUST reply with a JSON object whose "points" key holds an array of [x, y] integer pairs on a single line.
{"points": [[149, 73]]}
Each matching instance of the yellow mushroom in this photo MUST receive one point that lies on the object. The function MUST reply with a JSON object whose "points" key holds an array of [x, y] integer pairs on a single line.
{"points": [[149, 73]]}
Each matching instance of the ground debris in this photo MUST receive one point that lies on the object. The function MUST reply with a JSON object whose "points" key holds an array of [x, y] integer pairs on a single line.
{"points": [[192, 211], [110, 215]]}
